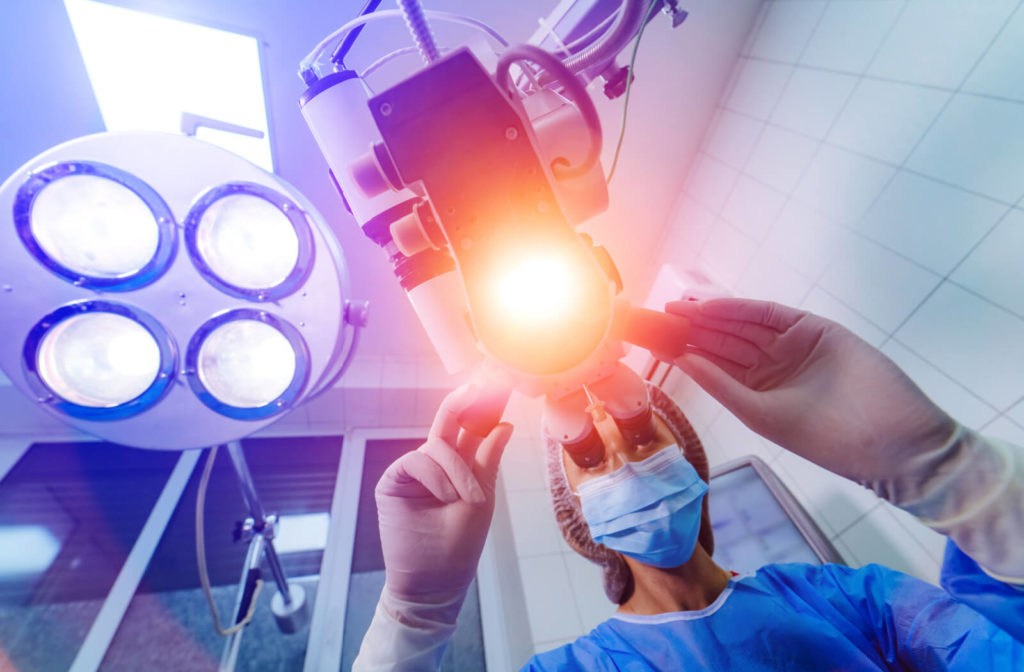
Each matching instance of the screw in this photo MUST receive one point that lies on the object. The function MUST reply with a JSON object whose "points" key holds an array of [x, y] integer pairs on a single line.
{"points": [[385, 109], [286, 207], [511, 133]]}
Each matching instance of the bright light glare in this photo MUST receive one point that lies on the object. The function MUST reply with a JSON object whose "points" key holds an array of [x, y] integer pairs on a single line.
{"points": [[26, 549], [98, 359], [146, 70], [248, 242], [538, 291], [246, 363], [304, 532], [94, 226]]}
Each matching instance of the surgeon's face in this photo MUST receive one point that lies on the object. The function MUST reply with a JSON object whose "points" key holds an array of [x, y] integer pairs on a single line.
{"points": [[617, 451]]}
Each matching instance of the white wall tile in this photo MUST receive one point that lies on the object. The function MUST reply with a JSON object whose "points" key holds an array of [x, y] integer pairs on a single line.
{"points": [[932, 223], [812, 100], [770, 279], [549, 599], [977, 343], [758, 87], [752, 207], [780, 158], [995, 269], [822, 303], [786, 28], [805, 239], [827, 497], [690, 226], [1005, 429], [999, 72], [841, 184], [737, 439], [877, 283], [950, 395], [879, 538], [533, 523], [850, 33], [710, 181], [701, 408], [937, 42], [728, 251], [732, 138], [977, 143], [592, 604], [885, 119], [522, 467]]}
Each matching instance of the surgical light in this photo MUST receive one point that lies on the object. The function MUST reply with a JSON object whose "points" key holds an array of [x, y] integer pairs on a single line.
{"points": [[538, 291], [98, 359], [76, 219], [249, 241], [161, 292], [247, 363]]}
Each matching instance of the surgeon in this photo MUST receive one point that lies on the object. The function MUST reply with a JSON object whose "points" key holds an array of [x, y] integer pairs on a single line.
{"points": [[807, 384]]}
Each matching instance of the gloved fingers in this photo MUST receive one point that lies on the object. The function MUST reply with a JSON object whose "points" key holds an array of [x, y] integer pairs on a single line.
{"points": [[446, 423], [767, 313], [488, 457], [738, 372], [725, 346], [456, 469], [758, 334], [411, 474], [468, 444], [716, 379]]}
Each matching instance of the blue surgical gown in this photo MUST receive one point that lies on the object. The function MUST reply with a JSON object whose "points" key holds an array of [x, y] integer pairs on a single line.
{"points": [[802, 617], [1001, 603]]}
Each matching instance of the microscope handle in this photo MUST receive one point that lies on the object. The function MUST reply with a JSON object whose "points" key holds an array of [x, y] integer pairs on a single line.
{"points": [[664, 334]]}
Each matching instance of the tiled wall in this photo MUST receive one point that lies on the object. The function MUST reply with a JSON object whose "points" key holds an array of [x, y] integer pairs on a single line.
{"points": [[866, 163]]}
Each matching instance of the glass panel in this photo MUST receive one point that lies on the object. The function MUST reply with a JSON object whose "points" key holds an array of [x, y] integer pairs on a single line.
{"points": [[144, 80], [466, 649], [168, 624], [751, 528], [69, 515]]}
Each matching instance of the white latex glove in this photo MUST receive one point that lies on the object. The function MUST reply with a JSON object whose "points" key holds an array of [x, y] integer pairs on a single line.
{"points": [[434, 508], [816, 389]]}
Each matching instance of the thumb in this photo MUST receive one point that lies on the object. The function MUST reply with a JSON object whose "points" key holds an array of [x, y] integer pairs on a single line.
{"points": [[731, 393], [488, 455]]}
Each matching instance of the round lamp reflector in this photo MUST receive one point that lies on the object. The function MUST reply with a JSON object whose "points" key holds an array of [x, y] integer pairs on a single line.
{"points": [[248, 242], [94, 226], [246, 363], [98, 359]]}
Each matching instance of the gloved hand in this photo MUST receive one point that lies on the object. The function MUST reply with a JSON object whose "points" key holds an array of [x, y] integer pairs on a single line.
{"points": [[813, 387], [434, 508]]}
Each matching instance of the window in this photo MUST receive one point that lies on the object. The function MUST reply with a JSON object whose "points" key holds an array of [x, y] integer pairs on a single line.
{"points": [[148, 71]]}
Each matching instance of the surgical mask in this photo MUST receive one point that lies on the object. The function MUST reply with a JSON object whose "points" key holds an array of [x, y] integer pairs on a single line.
{"points": [[649, 510]]}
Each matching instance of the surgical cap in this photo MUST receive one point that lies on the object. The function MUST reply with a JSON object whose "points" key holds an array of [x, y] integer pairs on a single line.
{"points": [[618, 579]]}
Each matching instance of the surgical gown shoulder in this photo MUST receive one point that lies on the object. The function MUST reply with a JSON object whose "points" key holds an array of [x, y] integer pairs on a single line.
{"points": [[801, 617]]}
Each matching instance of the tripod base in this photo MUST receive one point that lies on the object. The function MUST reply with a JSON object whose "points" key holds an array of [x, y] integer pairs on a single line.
{"points": [[293, 616]]}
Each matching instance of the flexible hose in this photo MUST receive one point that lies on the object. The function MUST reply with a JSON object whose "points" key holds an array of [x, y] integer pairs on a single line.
{"points": [[618, 36], [573, 87], [204, 576], [420, 29]]}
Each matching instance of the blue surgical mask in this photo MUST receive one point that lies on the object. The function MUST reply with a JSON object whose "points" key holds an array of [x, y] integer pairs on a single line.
{"points": [[649, 510]]}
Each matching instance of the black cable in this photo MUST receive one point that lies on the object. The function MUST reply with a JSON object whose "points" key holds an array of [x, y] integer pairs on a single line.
{"points": [[573, 87], [341, 52]]}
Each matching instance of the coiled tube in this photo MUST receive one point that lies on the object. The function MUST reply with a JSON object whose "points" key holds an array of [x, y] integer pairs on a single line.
{"points": [[416, 19]]}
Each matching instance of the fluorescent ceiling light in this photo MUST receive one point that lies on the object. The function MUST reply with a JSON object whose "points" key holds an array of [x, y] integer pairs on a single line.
{"points": [[147, 70], [26, 549], [303, 532]]}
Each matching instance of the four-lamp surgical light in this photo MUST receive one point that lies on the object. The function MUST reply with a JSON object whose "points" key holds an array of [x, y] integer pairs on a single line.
{"points": [[167, 303]]}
